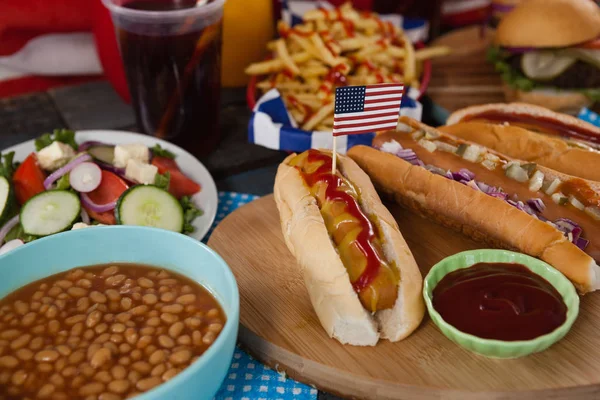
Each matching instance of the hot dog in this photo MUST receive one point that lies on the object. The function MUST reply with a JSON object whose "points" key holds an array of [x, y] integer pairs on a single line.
{"points": [[553, 152], [534, 118], [502, 201], [361, 277]]}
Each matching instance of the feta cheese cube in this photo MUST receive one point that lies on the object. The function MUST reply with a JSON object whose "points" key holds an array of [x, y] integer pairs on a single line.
{"points": [[81, 225], [140, 172], [133, 151], [54, 156]]}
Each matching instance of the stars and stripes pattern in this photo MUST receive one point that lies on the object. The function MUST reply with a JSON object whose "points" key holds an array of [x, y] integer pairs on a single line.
{"points": [[363, 109]]}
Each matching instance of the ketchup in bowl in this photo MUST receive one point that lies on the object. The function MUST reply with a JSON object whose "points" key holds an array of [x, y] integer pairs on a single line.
{"points": [[502, 301]]}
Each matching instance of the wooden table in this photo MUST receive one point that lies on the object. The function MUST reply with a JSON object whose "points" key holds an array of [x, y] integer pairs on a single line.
{"points": [[236, 165]]}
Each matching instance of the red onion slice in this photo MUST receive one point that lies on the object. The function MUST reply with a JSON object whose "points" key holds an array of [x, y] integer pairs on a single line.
{"points": [[87, 202], [56, 175], [85, 177], [11, 245], [85, 218], [8, 226], [90, 143]]}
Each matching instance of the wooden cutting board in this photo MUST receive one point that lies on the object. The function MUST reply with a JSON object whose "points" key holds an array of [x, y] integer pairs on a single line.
{"points": [[279, 327]]}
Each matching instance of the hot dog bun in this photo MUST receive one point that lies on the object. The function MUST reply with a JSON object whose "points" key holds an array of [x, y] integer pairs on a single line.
{"points": [[474, 213], [516, 142], [521, 108], [336, 303]]}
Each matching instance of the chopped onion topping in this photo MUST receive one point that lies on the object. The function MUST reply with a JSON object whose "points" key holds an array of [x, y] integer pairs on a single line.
{"points": [[536, 181]]}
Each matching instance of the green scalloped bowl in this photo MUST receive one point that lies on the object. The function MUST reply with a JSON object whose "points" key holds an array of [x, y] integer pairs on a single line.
{"points": [[498, 348]]}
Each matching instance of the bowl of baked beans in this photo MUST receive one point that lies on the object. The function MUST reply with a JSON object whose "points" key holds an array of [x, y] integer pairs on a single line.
{"points": [[111, 313]]}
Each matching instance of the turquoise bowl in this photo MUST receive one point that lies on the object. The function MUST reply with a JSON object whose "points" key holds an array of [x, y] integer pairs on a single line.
{"points": [[161, 248]]}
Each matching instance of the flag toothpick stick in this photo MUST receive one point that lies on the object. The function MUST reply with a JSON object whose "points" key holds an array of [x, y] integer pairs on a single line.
{"points": [[334, 163]]}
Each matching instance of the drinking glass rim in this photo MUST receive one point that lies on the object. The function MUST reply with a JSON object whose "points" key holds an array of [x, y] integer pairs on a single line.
{"points": [[163, 16]]}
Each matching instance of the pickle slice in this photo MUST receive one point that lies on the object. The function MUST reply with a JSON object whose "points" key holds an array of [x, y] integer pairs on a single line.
{"points": [[545, 65]]}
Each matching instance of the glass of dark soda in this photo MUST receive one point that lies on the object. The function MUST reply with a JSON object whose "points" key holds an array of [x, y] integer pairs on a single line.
{"points": [[171, 51]]}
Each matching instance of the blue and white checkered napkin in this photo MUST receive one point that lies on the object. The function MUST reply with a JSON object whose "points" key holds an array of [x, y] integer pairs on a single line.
{"points": [[247, 378], [589, 116], [273, 127]]}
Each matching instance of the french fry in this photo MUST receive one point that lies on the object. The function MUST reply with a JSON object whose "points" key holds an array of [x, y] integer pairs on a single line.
{"points": [[281, 49], [409, 63], [423, 54], [319, 116], [276, 65]]}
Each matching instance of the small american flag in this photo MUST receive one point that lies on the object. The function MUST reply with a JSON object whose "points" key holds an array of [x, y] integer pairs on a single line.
{"points": [[362, 109]]}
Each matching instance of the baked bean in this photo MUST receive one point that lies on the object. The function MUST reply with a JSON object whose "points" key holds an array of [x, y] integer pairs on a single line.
{"points": [[53, 327], [4, 377], [83, 304], [186, 289], [163, 289], [35, 305], [97, 297], [76, 357], [77, 329], [145, 282], [168, 318], [75, 274], [136, 354], [186, 299], [88, 334], [69, 371], [150, 298], [113, 269], [91, 388], [131, 336], [143, 342], [119, 386], [57, 380], [46, 355], [147, 331], [118, 372], [36, 343], [124, 360], [46, 390], [157, 357], [124, 348], [75, 319], [19, 377], [77, 292], [116, 338], [21, 307], [215, 327], [184, 340], [154, 321], [172, 308], [24, 354], [112, 347], [166, 341], [63, 284], [102, 338], [167, 282], [63, 350], [37, 295], [139, 310], [60, 364], [20, 342], [103, 376], [60, 304], [212, 313], [63, 296], [87, 370], [136, 296], [169, 374], [101, 328], [93, 318], [197, 338], [8, 362], [123, 317], [52, 312], [117, 328], [115, 280], [158, 370], [142, 367], [153, 313], [84, 283], [28, 319], [38, 329], [209, 338], [126, 303], [10, 334], [148, 383], [44, 367], [134, 376], [180, 357], [176, 329], [100, 357], [193, 322], [44, 308], [54, 291], [109, 317]]}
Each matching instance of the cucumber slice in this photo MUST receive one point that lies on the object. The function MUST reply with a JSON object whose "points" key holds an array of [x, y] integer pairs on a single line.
{"points": [[103, 153], [50, 212], [6, 203], [149, 205], [545, 65]]}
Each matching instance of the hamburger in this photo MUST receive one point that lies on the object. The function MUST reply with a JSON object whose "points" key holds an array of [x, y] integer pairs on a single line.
{"points": [[548, 52]]}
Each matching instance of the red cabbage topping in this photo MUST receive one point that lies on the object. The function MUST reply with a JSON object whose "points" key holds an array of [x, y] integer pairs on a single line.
{"points": [[533, 207]]}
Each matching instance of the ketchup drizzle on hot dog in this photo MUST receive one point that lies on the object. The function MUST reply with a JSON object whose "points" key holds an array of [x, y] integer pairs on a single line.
{"points": [[368, 232]]}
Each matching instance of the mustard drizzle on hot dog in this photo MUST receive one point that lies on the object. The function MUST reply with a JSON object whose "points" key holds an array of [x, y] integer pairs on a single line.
{"points": [[357, 238]]}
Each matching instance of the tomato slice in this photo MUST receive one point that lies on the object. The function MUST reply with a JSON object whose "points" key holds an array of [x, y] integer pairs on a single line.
{"points": [[28, 179], [180, 184], [110, 189]]}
